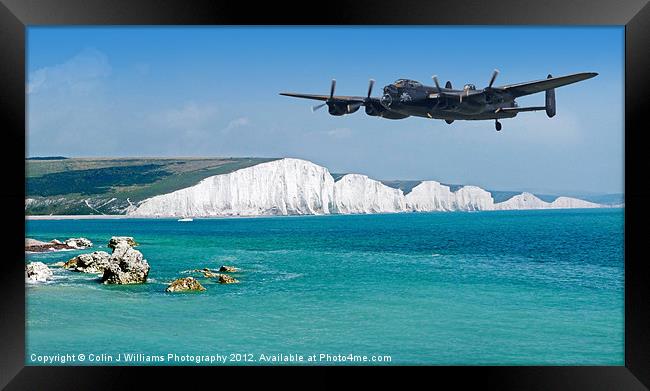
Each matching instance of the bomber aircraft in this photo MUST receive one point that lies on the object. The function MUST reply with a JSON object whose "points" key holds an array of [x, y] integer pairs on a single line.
{"points": [[405, 98]]}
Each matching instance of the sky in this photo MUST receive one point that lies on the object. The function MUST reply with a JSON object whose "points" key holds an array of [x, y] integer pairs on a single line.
{"points": [[213, 91]]}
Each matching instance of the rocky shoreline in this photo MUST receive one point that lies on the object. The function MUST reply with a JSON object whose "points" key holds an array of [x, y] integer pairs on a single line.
{"points": [[124, 266]]}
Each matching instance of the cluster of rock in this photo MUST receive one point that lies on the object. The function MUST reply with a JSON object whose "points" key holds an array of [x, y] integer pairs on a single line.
{"points": [[40, 272], [125, 265], [186, 284], [207, 273], [33, 245]]}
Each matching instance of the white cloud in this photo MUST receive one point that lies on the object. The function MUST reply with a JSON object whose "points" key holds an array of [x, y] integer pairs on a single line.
{"points": [[68, 109], [80, 73]]}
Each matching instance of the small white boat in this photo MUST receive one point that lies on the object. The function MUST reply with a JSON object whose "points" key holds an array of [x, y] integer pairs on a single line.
{"points": [[186, 219]]}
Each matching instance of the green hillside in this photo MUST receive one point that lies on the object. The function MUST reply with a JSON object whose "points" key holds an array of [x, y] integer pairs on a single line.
{"points": [[61, 186]]}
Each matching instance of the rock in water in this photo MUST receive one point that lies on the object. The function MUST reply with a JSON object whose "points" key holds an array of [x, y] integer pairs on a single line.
{"points": [[37, 272], [207, 273], [95, 262], [70, 264], [228, 269], [38, 246], [78, 243], [225, 279], [116, 239], [185, 284], [29, 242], [126, 266], [34, 245]]}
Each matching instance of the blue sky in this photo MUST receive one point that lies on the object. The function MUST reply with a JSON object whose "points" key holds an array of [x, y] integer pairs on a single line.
{"points": [[213, 91]]}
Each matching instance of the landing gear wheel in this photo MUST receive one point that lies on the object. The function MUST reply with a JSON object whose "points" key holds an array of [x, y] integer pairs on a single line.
{"points": [[497, 125]]}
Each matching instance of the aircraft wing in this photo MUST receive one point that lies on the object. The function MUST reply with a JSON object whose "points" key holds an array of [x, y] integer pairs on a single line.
{"points": [[347, 99], [531, 87]]}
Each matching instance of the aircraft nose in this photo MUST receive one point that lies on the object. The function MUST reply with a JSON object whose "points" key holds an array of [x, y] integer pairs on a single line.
{"points": [[386, 100], [390, 90]]}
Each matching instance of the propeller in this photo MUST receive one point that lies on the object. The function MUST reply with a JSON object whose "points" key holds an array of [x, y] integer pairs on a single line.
{"points": [[435, 80], [494, 76], [332, 88], [317, 107], [367, 101], [370, 85], [351, 106], [495, 73]]}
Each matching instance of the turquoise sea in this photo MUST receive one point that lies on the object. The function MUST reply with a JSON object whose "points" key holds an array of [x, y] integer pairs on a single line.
{"points": [[538, 287]]}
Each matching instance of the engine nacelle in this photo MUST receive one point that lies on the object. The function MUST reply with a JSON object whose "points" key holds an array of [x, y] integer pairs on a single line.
{"points": [[341, 108], [374, 109], [378, 110], [335, 109]]}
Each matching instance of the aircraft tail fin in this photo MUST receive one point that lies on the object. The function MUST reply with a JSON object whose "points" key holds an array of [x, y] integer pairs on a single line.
{"points": [[550, 101]]}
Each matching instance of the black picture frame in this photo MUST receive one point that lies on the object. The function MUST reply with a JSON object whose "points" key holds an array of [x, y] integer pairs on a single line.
{"points": [[15, 15]]}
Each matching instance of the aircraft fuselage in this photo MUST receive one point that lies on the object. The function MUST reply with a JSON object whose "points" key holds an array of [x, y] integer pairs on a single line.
{"points": [[422, 102]]}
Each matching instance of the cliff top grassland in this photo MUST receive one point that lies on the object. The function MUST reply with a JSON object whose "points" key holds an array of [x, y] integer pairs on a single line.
{"points": [[109, 185]]}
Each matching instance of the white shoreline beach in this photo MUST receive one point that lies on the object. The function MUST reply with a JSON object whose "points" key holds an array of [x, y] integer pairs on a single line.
{"points": [[76, 217], [118, 217]]}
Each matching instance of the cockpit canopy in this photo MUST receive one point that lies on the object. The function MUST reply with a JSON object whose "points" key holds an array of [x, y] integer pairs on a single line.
{"points": [[407, 83], [469, 87]]}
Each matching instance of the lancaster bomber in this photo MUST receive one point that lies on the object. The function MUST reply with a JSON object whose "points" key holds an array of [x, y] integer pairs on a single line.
{"points": [[405, 98]]}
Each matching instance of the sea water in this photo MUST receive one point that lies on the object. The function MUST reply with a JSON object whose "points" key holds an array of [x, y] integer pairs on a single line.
{"points": [[541, 287]]}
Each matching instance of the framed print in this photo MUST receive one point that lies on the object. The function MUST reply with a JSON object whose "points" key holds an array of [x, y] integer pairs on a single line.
{"points": [[444, 189]]}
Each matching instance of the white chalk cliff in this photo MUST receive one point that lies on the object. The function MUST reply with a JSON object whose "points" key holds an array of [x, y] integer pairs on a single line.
{"points": [[530, 201], [433, 196], [280, 187], [298, 187], [355, 193]]}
